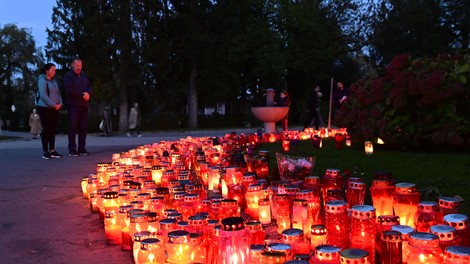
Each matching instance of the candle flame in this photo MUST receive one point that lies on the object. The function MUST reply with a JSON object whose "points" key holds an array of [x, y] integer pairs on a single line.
{"points": [[422, 258]]}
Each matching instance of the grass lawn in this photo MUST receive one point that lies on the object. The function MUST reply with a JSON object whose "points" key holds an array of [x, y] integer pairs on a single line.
{"points": [[435, 174], [6, 137]]}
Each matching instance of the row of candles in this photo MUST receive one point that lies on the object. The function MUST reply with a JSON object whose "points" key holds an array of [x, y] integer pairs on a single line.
{"points": [[208, 200]]}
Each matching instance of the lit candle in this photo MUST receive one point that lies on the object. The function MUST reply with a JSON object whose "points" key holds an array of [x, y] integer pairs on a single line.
{"points": [[286, 145], [151, 252], [390, 247], [337, 223], [300, 214], [264, 211], [363, 229], [405, 232], [461, 224], [424, 248], [253, 194], [112, 228], [233, 243], [381, 192], [355, 193], [178, 247], [317, 235], [138, 237], [457, 255], [368, 147], [157, 173], [428, 214], [405, 202], [449, 205], [447, 235], [295, 238], [256, 232]]}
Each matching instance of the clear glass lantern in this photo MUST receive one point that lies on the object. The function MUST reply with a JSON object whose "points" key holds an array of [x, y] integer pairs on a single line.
{"points": [[178, 247], [317, 235], [151, 252], [233, 241]]}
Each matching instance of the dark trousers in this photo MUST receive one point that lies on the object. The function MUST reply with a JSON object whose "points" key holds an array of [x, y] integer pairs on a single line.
{"points": [[78, 123], [313, 115], [49, 121]]}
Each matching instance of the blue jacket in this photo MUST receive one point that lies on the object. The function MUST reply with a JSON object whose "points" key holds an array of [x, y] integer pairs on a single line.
{"points": [[75, 85], [49, 92]]}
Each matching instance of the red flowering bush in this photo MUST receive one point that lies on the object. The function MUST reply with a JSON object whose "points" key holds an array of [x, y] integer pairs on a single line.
{"points": [[416, 103]]}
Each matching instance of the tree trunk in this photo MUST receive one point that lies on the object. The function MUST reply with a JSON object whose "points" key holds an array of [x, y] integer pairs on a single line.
{"points": [[192, 96], [125, 60]]}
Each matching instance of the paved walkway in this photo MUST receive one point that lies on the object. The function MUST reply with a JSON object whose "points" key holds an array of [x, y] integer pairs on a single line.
{"points": [[43, 215]]}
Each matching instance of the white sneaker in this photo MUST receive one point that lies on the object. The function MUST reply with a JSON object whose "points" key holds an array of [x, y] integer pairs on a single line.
{"points": [[128, 134]]}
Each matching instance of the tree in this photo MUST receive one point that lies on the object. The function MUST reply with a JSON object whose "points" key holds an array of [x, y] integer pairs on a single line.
{"points": [[19, 61]]}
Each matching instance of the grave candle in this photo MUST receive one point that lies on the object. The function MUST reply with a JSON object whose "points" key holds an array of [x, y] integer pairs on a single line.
{"points": [[405, 202]]}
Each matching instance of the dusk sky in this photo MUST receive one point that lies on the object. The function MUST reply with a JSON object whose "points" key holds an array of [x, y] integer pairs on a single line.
{"points": [[34, 15]]}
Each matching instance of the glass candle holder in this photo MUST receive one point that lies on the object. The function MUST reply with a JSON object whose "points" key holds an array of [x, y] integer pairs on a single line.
{"points": [[428, 214], [138, 223], [283, 212], [424, 248], [381, 192], [331, 180], [255, 256], [295, 238], [384, 223], [261, 166], [457, 255], [317, 235], [151, 252], [312, 197], [253, 194], [138, 237], [256, 232], [447, 235], [390, 247], [191, 205], [229, 208], [178, 247], [354, 255], [166, 226], [286, 145], [461, 224], [112, 228], [368, 147], [233, 241], [264, 211], [337, 224], [449, 205], [405, 232], [326, 254], [299, 217], [405, 202], [363, 229], [198, 253], [355, 193]]}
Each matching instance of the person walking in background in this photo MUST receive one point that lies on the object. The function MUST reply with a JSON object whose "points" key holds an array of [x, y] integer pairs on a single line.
{"points": [[340, 95], [284, 101], [48, 104], [77, 96], [107, 122], [134, 120], [35, 124], [313, 109]]}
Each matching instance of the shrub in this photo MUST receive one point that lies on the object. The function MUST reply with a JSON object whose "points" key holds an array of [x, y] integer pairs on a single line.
{"points": [[416, 103]]}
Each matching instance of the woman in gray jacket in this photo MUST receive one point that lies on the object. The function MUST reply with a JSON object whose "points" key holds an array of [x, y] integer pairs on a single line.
{"points": [[49, 103]]}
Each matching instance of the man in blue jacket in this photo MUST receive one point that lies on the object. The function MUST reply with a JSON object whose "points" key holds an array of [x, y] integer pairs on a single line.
{"points": [[77, 95]]}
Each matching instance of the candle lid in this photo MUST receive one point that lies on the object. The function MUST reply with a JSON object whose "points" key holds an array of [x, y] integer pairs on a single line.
{"points": [[139, 236], [404, 230], [388, 220], [124, 208], [449, 202], [327, 252], [253, 187], [233, 223], [382, 183], [157, 167], [253, 225], [178, 237], [137, 204], [312, 180], [257, 247], [459, 221], [292, 232], [405, 187], [280, 247], [458, 254], [134, 211], [333, 172], [300, 202], [191, 197], [444, 232], [168, 223], [177, 216], [152, 217], [139, 218], [336, 206], [424, 240], [353, 254], [292, 189], [318, 230], [428, 207], [195, 238], [156, 199], [304, 257], [143, 196], [279, 257], [228, 202], [296, 261], [163, 190], [169, 211], [335, 193], [183, 224], [357, 185], [363, 212], [391, 236], [197, 220], [109, 214]]}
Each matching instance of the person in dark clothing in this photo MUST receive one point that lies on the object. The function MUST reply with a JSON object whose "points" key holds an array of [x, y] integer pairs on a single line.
{"points": [[313, 109], [107, 122], [48, 104], [77, 96], [284, 101], [340, 95]]}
